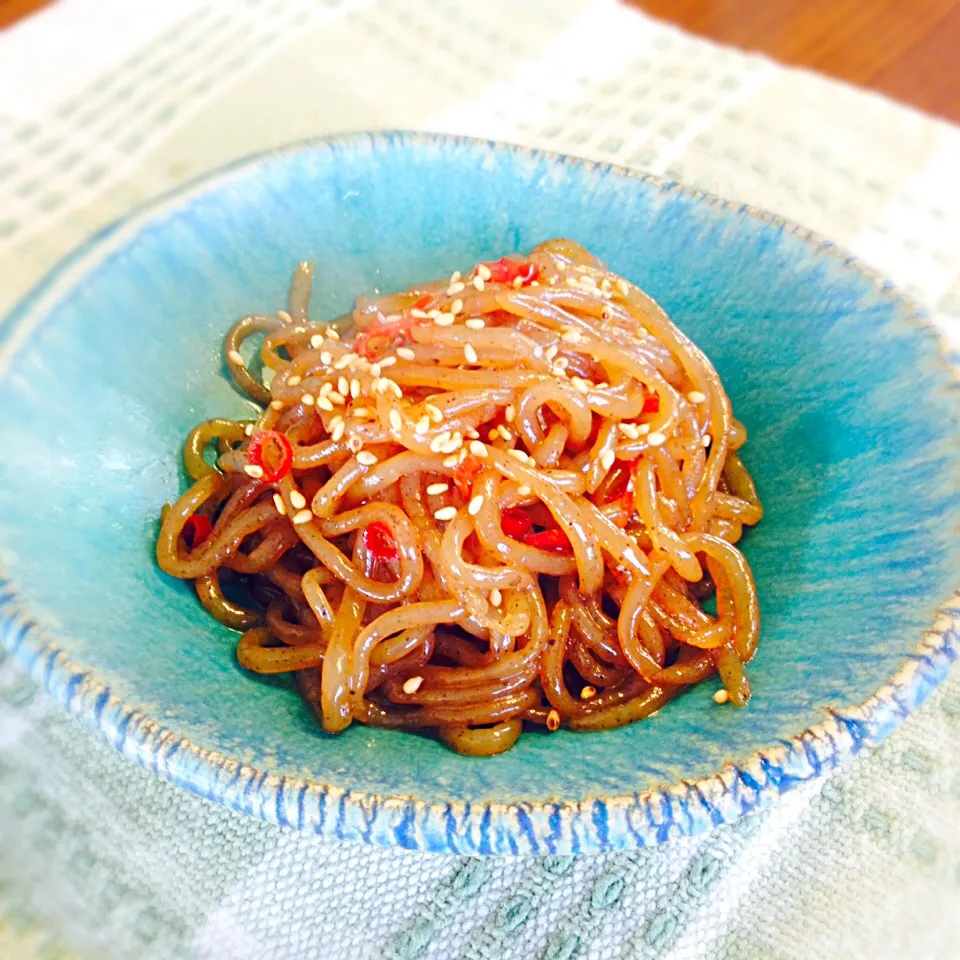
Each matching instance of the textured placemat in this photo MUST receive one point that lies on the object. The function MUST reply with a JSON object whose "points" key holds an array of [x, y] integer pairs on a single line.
{"points": [[104, 104]]}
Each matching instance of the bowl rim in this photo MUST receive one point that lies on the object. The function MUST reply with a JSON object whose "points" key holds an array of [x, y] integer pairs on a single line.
{"points": [[554, 826]]}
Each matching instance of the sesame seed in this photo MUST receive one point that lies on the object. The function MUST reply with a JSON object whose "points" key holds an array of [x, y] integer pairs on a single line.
{"points": [[629, 430], [472, 433], [655, 439], [326, 358], [445, 513], [387, 361], [316, 341], [302, 516], [234, 356], [643, 429], [451, 461], [354, 444], [524, 491], [580, 385], [396, 421], [553, 721], [418, 314], [455, 276], [444, 320], [434, 412], [572, 336], [478, 282], [325, 388], [366, 458], [423, 424], [297, 500], [380, 385], [607, 458], [505, 433], [435, 489], [434, 313], [623, 286], [375, 369], [721, 696], [483, 271], [534, 283], [338, 398], [588, 693], [552, 352], [470, 353], [343, 362], [252, 470], [496, 597], [475, 323], [394, 388], [283, 316], [518, 455], [276, 404], [438, 442], [391, 318], [706, 440], [279, 504], [324, 403], [361, 412], [517, 282], [474, 506], [455, 287], [248, 430], [453, 444], [412, 684], [293, 381], [343, 385], [336, 431], [355, 388], [695, 396], [509, 413], [478, 449], [588, 281], [405, 353], [573, 282], [307, 400], [562, 363], [332, 334], [456, 307], [558, 370]]}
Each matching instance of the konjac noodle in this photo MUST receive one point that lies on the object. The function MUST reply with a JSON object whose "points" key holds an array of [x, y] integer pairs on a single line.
{"points": [[511, 496]]}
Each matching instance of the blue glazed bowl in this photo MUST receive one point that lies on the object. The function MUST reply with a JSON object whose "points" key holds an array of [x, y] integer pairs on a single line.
{"points": [[854, 429]]}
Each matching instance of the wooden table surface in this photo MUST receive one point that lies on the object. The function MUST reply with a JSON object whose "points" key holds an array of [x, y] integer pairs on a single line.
{"points": [[907, 49]]}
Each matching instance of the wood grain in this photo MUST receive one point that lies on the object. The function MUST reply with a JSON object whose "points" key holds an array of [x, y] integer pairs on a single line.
{"points": [[907, 49]]}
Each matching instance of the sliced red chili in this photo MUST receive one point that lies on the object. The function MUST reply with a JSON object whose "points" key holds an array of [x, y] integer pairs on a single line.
{"points": [[651, 404], [466, 473], [423, 302], [506, 270], [196, 530], [516, 522], [379, 542], [555, 540], [394, 334], [270, 450]]}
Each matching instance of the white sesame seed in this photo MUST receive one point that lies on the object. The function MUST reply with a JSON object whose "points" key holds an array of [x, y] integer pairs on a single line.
{"points": [[706, 440], [445, 513], [297, 500], [695, 396], [475, 323], [483, 271], [524, 491], [505, 433], [380, 385], [248, 430], [478, 282], [302, 516], [234, 356], [355, 388], [354, 444], [375, 369], [573, 282], [628, 430], [552, 352], [655, 439], [279, 504], [456, 307], [343, 385], [435, 489], [607, 458], [276, 404], [534, 283], [361, 412], [252, 470], [478, 449], [366, 458], [324, 403], [455, 276], [470, 353], [509, 413], [721, 696], [472, 433], [451, 461], [336, 431], [474, 506], [496, 597], [517, 282], [325, 388], [294, 380], [580, 385], [518, 455], [387, 361], [434, 313], [562, 363], [307, 400], [455, 287], [572, 335], [588, 281], [453, 444], [343, 362], [423, 424], [391, 318], [418, 314], [643, 429], [438, 442], [623, 286], [396, 421], [338, 398], [395, 388], [316, 341], [332, 334], [412, 684], [558, 369], [444, 320], [326, 358], [405, 353], [434, 412]]}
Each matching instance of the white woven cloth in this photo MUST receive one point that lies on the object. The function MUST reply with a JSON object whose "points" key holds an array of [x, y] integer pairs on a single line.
{"points": [[104, 104]]}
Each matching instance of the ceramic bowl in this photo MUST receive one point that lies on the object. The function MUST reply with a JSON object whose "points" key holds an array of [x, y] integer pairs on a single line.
{"points": [[853, 442]]}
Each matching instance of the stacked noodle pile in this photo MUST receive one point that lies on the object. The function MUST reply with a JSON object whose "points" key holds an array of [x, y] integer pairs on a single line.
{"points": [[499, 498]]}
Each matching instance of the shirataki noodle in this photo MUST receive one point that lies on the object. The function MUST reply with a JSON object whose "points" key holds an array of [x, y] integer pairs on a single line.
{"points": [[496, 499]]}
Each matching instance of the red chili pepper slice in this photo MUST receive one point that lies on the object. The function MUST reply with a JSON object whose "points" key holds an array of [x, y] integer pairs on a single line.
{"points": [[423, 302], [379, 542], [395, 334], [516, 522], [270, 450], [651, 404], [466, 473], [555, 540], [506, 270], [196, 530]]}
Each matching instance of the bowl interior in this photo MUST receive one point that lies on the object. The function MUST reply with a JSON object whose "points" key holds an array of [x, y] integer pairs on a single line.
{"points": [[852, 443]]}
